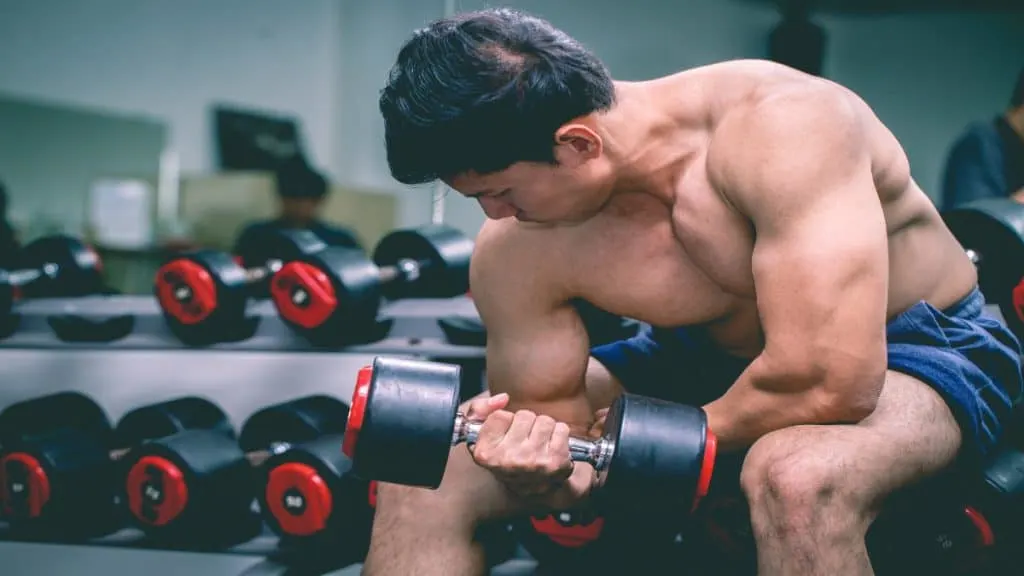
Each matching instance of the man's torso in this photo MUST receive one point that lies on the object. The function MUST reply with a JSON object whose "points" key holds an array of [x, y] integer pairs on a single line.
{"points": [[689, 263]]}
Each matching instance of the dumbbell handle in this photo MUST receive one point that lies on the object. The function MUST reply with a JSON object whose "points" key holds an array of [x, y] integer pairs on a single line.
{"points": [[27, 275], [258, 273], [597, 453], [406, 269]]}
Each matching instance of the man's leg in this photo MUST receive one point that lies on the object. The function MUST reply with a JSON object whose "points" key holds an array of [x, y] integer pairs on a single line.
{"points": [[814, 490], [428, 532]]}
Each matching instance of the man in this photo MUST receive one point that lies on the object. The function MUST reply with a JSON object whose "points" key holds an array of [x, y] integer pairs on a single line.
{"points": [[9, 245], [757, 217], [987, 161], [301, 192]]}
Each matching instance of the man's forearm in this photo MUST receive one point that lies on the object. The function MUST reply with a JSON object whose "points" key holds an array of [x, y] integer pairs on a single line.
{"points": [[764, 400]]}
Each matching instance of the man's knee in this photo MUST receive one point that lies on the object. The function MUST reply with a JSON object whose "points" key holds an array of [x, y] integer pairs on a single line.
{"points": [[791, 483]]}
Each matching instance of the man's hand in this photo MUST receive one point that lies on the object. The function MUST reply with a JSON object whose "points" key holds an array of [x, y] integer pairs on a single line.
{"points": [[1018, 195], [529, 453]]}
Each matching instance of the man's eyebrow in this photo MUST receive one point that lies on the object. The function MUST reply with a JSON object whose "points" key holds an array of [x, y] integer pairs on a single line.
{"points": [[478, 193]]}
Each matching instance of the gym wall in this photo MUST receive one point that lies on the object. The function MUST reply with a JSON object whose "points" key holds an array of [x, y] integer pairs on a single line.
{"points": [[323, 61]]}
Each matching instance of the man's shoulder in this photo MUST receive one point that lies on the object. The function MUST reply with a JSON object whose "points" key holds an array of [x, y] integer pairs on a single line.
{"points": [[978, 134]]}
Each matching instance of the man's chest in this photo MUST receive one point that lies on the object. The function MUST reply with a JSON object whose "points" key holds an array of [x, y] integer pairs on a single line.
{"points": [[669, 267]]}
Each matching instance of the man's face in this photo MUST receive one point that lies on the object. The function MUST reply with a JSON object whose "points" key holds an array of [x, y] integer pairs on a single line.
{"points": [[300, 211], [573, 189]]}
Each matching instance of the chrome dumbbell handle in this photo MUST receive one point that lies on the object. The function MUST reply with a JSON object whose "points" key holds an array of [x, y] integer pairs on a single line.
{"points": [[597, 453]]}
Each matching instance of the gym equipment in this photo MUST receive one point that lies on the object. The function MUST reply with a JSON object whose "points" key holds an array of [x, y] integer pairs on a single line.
{"points": [[310, 498], [185, 485], [43, 415], [64, 481], [207, 291], [53, 266], [991, 230], [339, 290], [959, 527], [404, 419]]}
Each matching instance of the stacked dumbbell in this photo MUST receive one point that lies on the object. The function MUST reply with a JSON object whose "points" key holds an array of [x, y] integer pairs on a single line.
{"points": [[991, 230], [204, 294], [52, 266], [191, 485], [61, 478], [333, 296]]}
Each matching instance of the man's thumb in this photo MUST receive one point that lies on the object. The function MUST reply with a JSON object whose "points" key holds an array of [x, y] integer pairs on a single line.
{"points": [[481, 408]]}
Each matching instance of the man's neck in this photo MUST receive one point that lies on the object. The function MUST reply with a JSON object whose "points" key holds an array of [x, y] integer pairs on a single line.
{"points": [[646, 144]]}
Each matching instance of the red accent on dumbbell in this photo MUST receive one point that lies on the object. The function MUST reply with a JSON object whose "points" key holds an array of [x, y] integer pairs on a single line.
{"points": [[986, 536], [357, 411], [707, 468], [1018, 299], [317, 500], [372, 496], [239, 260], [574, 536], [37, 484], [203, 302], [323, 300], [173, 490]]}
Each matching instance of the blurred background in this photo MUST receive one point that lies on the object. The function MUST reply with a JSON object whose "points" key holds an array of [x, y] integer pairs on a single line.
{"points": [[147, 126]]}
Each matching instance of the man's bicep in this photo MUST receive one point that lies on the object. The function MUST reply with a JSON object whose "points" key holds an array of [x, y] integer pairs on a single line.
{"points": [[540, 361], [537, 346]]}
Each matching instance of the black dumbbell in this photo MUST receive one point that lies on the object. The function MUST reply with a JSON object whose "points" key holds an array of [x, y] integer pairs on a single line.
{"points": [[961, 527], [339, 290], [66, 481], [311, 501], [188, 485], [52, 266], [205, 292], [404, 419], [991, 231]]}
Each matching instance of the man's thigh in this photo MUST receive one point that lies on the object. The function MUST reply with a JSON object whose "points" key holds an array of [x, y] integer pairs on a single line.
{"points": [[910, 436]]}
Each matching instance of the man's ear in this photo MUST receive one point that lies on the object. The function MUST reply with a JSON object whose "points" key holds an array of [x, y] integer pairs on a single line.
{"points": [[580, 140]]}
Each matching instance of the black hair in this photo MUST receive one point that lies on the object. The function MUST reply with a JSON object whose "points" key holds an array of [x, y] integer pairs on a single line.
{"points": [[482, 90], [299, 180], [1017, 100]]}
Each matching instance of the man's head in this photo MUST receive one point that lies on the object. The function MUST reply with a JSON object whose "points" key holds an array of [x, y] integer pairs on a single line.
{"points": [[500, 105], [301, 192]]}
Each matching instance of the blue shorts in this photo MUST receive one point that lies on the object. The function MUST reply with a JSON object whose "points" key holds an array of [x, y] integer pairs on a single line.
{"points": [[968, 356]]}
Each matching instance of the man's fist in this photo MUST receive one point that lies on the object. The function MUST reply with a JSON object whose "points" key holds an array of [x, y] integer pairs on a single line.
{"points": [[528, 452]]}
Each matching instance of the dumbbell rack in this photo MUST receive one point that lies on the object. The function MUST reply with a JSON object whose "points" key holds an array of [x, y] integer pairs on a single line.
{"points": [[120, 351]]}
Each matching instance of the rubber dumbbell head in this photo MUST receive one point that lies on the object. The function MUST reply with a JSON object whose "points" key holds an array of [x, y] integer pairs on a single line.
{"points": [[991, 230], [427, 262], [401, 421], [310, 495], [210, 289], [49, 267]]}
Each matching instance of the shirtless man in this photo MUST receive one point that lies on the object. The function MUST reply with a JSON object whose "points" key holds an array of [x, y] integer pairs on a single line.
{"points": [[754, 216]]}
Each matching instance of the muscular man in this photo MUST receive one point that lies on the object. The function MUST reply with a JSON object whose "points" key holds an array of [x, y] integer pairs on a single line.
{"points": [[763, 222], [987, 161]]}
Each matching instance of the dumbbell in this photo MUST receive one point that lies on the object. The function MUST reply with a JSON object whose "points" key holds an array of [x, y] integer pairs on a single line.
{"points": [[190, 484], [965, 526], [311, 501], [65, 481], [339, 290], [991, 231], [404, 420], [54, 266], [207, 291]]}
